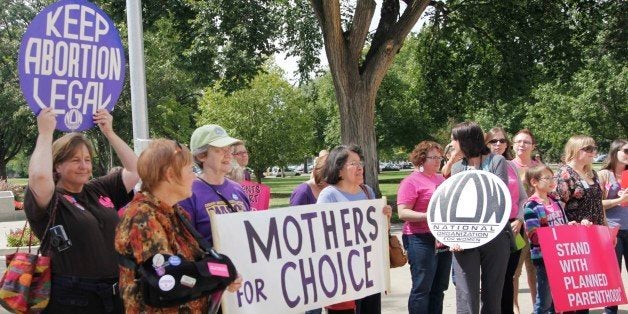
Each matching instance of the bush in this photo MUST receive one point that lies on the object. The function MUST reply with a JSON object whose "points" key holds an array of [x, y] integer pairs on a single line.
{"points": [[14, 235]]}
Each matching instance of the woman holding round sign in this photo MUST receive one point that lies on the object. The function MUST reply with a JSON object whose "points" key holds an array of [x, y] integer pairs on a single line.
{"points": [[430, 261], [344, 172], [497, 140], [480, 270], [84, 261]]}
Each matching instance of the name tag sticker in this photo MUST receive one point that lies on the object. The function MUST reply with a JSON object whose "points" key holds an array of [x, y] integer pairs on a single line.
{"points": [[219, 270]]}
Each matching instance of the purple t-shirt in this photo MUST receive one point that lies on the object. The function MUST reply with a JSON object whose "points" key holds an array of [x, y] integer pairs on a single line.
{"points": [[415, 192], [204, 200], [302, 195]]}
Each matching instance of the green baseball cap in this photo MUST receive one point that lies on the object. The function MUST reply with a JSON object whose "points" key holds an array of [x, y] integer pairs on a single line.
{"points": [[211, 134]]}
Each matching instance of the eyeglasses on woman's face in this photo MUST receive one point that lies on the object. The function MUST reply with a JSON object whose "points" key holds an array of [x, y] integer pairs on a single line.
{"points": [[523, 142], [548, 179], [439, 158], [355, 164], [589, 149], [240, 154], [498, 140]]}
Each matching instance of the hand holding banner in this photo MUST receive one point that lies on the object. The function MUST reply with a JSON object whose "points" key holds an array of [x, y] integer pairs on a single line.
{"points": [[581, 267], [304, 257]]}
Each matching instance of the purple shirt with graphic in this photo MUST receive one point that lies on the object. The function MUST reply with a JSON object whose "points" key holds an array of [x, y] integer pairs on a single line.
{"points": [[205, 200]]}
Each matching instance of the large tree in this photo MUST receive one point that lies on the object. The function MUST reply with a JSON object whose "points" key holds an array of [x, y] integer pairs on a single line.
{"points": [[17, 123], [359, 61], [271, 116]]}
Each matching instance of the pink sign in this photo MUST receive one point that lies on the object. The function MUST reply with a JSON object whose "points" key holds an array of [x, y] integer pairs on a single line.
{"points": [[259, 194], [581, 267]]}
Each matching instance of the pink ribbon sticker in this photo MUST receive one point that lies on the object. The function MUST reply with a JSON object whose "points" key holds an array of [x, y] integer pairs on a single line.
{"points": [[219, 270]]}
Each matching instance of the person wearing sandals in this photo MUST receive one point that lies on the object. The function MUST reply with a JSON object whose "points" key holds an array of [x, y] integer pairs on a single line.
{"points": [[212, 191], [85, 265]]}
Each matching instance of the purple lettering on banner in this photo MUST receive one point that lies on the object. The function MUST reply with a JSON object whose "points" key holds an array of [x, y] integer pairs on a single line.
{"points": [[329, 228], [345, 226], [308, 217], [72, 60], [273, 237], [367, 265], [356, 286], [332, 292], [291, 303], [358, 219], [287, 235], [342, 273], [369, 217], [308, 280]]}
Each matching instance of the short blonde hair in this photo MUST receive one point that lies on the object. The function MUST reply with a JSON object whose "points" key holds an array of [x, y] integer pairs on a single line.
{"points": [[65, 147], [157, 158], [574, 145]]}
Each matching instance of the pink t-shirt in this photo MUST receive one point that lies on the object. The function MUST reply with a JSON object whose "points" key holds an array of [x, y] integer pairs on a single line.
{"points": [[415, 192], [513, 187]]}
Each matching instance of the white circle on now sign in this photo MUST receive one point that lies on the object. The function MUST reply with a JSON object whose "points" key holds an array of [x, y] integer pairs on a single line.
{"points": [[166, 283], [469, 209]]}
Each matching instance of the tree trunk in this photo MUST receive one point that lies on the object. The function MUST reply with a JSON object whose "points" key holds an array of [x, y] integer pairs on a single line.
{"points": [[357, 113], [3, 169]]}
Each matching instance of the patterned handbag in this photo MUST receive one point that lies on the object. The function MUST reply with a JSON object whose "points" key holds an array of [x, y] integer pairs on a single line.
{"points": [[25, 285]]}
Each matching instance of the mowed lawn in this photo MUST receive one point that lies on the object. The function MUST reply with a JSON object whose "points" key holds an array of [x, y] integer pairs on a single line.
{"points": [[281, 188]]}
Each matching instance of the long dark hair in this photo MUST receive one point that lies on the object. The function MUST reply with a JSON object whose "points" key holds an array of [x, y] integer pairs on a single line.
{"points": [[611, 160], [471, 139]]}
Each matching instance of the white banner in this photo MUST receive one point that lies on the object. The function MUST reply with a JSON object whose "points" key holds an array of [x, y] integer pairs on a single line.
{"points": [[298, 258]]}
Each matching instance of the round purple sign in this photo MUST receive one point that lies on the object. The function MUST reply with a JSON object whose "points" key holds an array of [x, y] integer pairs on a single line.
{"points": [[72, 60]]}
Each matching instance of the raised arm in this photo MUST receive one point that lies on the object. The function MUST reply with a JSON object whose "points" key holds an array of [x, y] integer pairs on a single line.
{"points": [[127, 156], [40, 179]]}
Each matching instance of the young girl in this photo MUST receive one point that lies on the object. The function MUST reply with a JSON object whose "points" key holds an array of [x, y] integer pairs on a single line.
{"points": [[542, 210]]}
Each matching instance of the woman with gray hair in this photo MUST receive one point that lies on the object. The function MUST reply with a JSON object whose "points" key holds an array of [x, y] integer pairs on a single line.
{"points": [[212, 191]]}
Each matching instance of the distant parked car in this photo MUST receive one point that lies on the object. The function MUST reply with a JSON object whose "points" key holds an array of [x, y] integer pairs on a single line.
{"points": [[600, 158]]}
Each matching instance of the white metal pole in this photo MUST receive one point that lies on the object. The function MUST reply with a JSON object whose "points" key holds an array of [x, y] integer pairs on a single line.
{"points": [[137, 75]]}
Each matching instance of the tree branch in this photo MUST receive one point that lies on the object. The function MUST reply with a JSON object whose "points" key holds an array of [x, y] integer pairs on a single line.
{"points": [[360, 27], [383, 49]]}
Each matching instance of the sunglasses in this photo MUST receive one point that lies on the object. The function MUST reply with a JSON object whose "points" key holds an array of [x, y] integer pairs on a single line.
{"points": [[500, 140], [589, 149], [625, 150]]}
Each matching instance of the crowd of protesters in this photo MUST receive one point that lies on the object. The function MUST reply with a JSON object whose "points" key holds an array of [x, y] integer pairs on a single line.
{"points": [[86, 275]]}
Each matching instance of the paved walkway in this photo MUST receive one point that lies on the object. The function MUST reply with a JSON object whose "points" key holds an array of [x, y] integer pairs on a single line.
{"points": [[393, 303]]}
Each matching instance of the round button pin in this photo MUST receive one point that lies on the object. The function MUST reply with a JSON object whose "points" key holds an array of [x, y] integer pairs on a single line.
{"points": [[166, 283], [174, 260]]}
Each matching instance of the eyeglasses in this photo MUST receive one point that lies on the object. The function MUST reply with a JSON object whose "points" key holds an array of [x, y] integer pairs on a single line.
{"points": [[546, 179], [500, 140], [522, 142], [355, 164], [220, 150], [439, 158], [625, 150], [241, 154], [589, 149]]}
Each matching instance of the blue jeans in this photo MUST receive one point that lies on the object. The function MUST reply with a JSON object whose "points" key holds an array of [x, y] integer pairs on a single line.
{"points": [[543, 303], [429, 271]]}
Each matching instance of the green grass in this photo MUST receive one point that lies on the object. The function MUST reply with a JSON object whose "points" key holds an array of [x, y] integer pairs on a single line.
{"points": [[281, 188], [18, 181]]}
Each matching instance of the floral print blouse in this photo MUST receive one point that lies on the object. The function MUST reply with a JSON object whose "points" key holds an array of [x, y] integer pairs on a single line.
{"points": [[582, 200], [147, 228]]}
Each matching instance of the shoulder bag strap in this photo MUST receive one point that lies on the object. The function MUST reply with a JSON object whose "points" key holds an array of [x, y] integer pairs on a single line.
{"points": [[51, 221], [366, 191], [224, 199], [202, 242]]}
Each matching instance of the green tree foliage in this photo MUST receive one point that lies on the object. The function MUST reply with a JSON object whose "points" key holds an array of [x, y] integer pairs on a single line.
{"points": [[17, 123], [271, 116]]}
